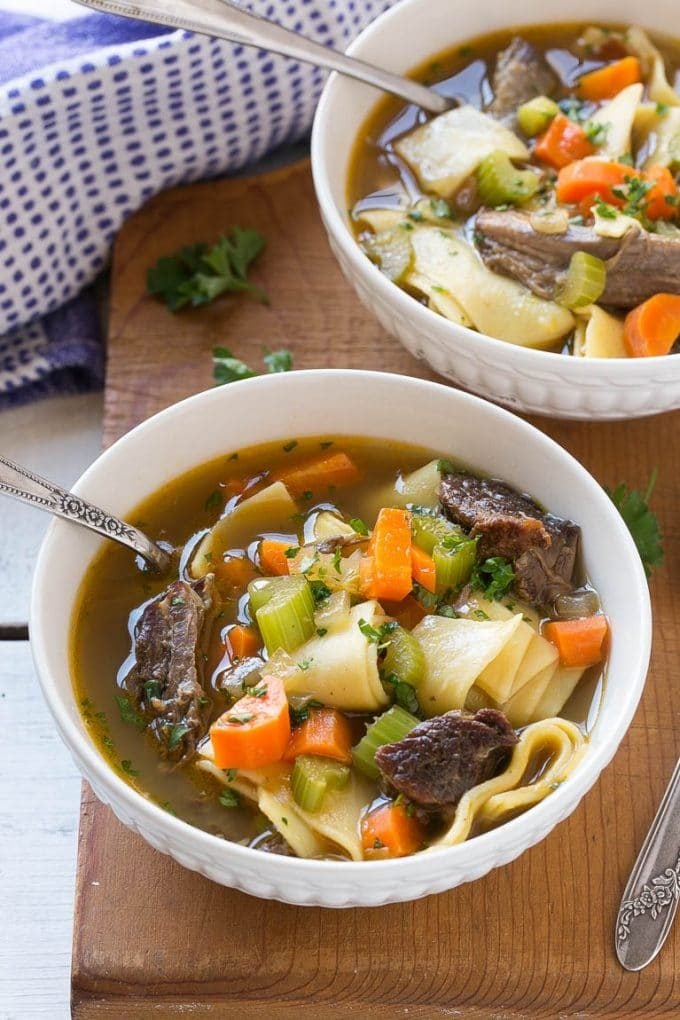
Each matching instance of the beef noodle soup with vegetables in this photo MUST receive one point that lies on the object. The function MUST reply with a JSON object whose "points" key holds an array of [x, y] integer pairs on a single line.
{"points": [[362, 651], [543, 209]]}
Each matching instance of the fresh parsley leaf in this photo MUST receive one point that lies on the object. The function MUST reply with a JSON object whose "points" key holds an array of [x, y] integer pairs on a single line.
{"points": [[320, 591], [446, 467], [322, 631], [596, 133], [175, 734], [278, 361], [288, 447], [128, 768], [358, 525], [605, 210], [213, 500], [404, 694], [661, 109], [377, 635], [227, 368], [493, 577], [641, 521], [198, 274], [230, 775], [304, 665], [128, 714], [229, 798], [240, 719], [291, 552], [298, 713]]}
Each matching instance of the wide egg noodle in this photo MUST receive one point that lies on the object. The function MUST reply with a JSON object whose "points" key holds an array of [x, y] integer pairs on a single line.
{"points": [[456, 652], [498, 678], [558, 691], [500, 796], [658, 87], [258, 514]]}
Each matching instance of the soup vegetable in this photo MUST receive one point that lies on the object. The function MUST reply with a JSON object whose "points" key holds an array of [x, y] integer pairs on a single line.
{"points": [[361, 652], [543, 208]]}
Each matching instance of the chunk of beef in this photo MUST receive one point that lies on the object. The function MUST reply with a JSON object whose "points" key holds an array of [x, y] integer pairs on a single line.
{"points": [[521, 74], [639, 264], [166, 682], [440, 759], [542, 547]]}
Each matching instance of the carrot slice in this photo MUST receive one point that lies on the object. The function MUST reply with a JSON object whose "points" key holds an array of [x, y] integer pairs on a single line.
{"points": [[591, 178], [255, 731], [423, 568], [385, 573], [273, 559], [325, 733], [652, 328], [662, 199], [389, 831], [233, 571], [579, 642], [319, 474], [243, 641], [608, 81], [562, 143]]}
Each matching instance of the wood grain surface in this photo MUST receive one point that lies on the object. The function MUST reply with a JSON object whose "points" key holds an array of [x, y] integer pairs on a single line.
{"points": [[533, 939]]}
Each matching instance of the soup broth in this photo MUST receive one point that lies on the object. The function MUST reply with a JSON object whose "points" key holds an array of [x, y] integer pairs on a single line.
{"points": [[117, 596]]}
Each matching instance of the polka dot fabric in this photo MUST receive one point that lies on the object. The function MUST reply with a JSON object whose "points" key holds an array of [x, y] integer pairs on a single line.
{"points": [[87, 138]]}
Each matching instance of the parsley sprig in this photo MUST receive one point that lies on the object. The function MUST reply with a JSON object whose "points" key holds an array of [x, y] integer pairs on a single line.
{"points": [[641, 521], [493, 577], [199, 273], [227, 368]]}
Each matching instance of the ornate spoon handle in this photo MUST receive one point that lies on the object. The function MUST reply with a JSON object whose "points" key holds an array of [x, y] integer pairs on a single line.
{"points": [[225, 19], [653, 891], [19, 482]]}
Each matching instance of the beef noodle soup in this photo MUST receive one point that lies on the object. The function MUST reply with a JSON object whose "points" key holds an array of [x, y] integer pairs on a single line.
{"points": [[361, 651], [543, 208]]}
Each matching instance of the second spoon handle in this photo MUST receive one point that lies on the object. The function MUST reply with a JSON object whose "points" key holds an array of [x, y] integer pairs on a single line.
{"points": [[224, 19]]}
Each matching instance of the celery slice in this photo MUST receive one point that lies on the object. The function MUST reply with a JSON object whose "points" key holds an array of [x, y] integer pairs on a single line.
{"points": [[312, 777], [454, 563], [585, 282], [428, 531], [500, 183], [535, 116], [284, 610], [404, 657], [388, 728]]}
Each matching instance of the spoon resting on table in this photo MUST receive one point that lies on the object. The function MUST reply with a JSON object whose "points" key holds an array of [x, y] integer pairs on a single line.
{"points": [[25, 485], [224, 19]]}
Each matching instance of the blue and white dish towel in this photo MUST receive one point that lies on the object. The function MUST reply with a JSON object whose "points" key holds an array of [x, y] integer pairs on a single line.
{"points": [[98, 113]]}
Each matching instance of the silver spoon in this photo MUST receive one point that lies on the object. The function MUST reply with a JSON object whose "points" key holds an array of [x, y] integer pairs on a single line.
{"points": [[652, 894], [225, 19], [22, 484]]}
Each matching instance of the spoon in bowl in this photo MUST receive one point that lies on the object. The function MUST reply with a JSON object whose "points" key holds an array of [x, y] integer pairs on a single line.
{"points": [[224, 19], [22, 484]]}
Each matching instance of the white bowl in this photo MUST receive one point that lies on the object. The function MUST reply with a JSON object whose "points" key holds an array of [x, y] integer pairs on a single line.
{"points": [[352, 403], [563, 387]]}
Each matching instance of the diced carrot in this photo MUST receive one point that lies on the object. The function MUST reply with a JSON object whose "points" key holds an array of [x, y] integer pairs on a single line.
{"points": [[662, 199], [423, 568], [608, 81], [390, 831], [243, 641], [591, 178], [385, 573], [255, 731], [562, 143], [325, 733], [408, 613], [319, 474], [579, 642], [273, 559], [652, 328], [233, 571]]}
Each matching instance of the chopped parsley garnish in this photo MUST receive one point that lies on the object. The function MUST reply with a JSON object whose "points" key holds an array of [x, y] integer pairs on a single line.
{"points": [[308, 494], [291, 552], [128, 768], [337, 561], [175, 734], [446, 467], [301, 712], [304, 665], [241, 719], [230, 775], [197, 274], [441, 208], [605, 210], [634, 195], [213, 500], [596, 133], [325, 443], [128, 714], [228, 369], [404, 694], [320, 591], [177, 601], [287, 447], [493, 577], [377, 635], [321, 631], [641, 521], [358, 525], [258, 691], [661, 109], [229, 798]]}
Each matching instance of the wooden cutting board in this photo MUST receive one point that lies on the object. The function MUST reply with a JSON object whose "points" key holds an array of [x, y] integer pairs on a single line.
{"points": [[533, 939]]}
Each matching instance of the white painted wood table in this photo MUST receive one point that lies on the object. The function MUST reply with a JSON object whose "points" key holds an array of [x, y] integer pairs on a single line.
{"points": [[39, 785]]}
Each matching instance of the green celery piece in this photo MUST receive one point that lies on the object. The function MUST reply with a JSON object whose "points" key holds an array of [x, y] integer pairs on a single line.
{"points": [[388, 728]]}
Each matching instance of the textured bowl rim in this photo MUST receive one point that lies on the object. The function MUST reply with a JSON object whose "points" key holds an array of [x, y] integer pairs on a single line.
{"points": [[546, 813], [580, 370]]}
